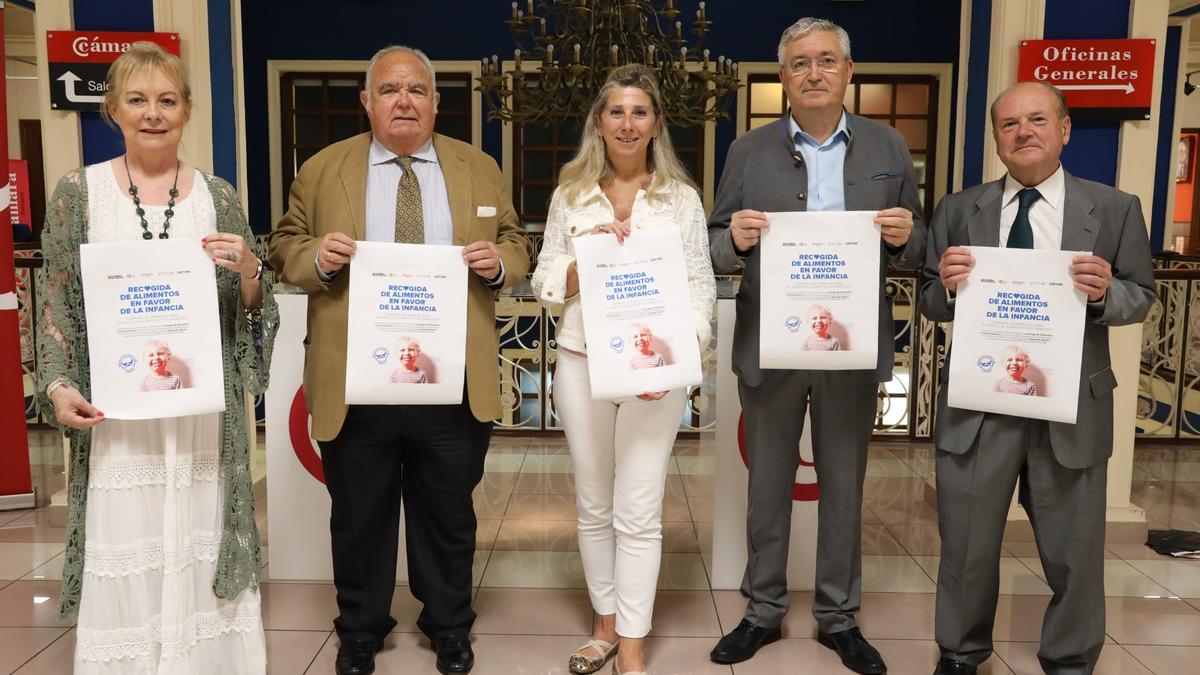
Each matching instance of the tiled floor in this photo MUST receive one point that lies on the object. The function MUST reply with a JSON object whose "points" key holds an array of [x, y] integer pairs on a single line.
{"points": [[534, 610]]}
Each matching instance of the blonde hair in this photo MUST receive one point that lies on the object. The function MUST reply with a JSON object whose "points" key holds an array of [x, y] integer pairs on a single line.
{"points": [[1017, 351], [143, 57], [590, 166]]}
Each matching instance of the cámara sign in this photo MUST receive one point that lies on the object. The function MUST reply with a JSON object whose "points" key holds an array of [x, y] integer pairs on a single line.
{"points": [[1102, 79], [78, 62]]}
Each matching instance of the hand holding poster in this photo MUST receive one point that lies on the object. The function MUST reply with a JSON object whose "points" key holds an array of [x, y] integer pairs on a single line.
{"points": [[1018, 336], [637, 313], [153, 328], [407, 330], [819, 277]]}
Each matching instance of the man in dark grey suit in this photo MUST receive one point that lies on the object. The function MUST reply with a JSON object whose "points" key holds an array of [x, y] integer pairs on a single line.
{"points": [[817, 158], [1062, 467]]}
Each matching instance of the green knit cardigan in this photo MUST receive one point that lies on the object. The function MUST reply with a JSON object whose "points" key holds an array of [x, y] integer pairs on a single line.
{"points": [[246, 342]]}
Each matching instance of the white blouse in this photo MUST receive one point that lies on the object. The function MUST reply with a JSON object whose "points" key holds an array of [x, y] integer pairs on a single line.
{"points": [[677, 205]]}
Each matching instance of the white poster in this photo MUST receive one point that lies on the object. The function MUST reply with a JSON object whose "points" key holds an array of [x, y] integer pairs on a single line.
{"points": [[407, 330], [819, 279], [637, 313], [154, 336], [1018, 335]]}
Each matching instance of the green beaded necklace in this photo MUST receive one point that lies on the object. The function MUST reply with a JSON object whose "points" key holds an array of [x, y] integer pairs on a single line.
{"points": [[137, 203]]}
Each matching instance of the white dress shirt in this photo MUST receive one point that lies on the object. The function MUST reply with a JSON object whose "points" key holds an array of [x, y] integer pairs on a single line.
{"points": [[1045, 215]]}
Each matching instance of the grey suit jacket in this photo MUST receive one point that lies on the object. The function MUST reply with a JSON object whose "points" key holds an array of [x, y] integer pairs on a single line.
{"points": [[1096, 218], [761, 174]]}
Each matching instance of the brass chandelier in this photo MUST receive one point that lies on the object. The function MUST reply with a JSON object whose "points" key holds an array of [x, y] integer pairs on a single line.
{"points": [[577, 42]]}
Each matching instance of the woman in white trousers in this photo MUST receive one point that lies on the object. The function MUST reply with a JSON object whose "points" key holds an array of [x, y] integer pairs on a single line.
{"points": [[624, 178]]}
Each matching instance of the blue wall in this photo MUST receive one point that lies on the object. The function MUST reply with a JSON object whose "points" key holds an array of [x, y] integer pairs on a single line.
{"points": [[912, 31], [100, 141], [1164, 173], [1092, 151]]}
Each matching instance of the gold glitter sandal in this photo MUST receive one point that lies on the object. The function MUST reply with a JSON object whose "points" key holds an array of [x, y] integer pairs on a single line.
{"points": [[582, 664]]}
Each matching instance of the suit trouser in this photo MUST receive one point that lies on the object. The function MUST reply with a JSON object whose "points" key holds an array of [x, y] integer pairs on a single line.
{"points": [[620, 450], [431, 456], [843, 412], [1066, 509]]}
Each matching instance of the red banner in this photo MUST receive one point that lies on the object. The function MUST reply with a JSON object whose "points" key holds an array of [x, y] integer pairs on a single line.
{"points": [[14, 451], [67, 46], [1102, 79], [18, 178]]}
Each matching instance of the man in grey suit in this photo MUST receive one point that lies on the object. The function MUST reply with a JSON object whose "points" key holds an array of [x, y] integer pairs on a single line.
{"points": [[818, 158], [1062, 468]]}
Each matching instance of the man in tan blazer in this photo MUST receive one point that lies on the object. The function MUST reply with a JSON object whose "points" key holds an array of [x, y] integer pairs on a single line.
{"points": [[400, 182]]}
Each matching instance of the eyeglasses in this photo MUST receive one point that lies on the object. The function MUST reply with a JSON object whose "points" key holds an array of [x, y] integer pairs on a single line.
{"points": [[825, 64]]}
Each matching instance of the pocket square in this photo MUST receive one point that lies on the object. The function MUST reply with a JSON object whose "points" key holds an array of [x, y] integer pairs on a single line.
{"points": [[884, 175], [485, 211]]}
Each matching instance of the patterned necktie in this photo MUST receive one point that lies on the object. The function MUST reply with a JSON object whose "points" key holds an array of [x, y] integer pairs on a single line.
{"points": [[1021, 234], [410, 224]]}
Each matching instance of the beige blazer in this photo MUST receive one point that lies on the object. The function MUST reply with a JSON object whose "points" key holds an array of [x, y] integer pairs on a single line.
{"points": [[329, 195]]}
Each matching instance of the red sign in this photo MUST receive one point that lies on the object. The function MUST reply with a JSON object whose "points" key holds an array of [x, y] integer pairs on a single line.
{"points": [[65, 46], [18, 180], [1102, 79], [78, 63]]}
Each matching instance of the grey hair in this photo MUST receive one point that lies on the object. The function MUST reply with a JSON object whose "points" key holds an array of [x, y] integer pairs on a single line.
{"points": [[807, 25], [1059, 97], [394, 49]]}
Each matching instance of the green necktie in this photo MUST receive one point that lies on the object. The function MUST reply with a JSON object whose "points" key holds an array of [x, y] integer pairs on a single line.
{"points": [[1021, 234], [410, 224]]}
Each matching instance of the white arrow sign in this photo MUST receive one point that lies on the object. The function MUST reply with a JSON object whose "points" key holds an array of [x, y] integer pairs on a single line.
{"points": [[70, 79], [1127, 87]]}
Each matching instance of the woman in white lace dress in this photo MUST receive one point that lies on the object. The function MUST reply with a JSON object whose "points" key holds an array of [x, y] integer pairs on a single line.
{"points": [[162, 557], [625, 178]]}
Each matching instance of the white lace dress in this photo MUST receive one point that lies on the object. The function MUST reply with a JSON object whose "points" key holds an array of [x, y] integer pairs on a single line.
{"points": [[154, 513]]}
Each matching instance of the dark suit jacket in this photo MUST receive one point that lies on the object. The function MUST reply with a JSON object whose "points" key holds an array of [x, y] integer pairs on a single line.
{"points": [[329, 195], [1096, 218], [761, 174]]}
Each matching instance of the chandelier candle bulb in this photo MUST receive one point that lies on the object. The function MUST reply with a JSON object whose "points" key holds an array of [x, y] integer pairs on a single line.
{"points": [[683, 57], [614, 55], [549, 54], [700, 12], [706, 59], [679, 30], [530, 5], [514, 8], [577, 48]]}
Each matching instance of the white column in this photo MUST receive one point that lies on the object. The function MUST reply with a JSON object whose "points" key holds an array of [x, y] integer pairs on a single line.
{"points": [[189, 18], [62, 148], [1138, 150]]}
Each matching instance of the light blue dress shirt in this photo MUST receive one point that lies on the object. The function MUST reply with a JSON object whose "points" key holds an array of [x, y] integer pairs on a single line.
{"points": [[383, 180], [826, 184]]}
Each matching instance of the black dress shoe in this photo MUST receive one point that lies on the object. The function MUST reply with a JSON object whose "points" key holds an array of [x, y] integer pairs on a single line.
{"points": [[357, 657], [948, 666], [856, 653], [743, 642], [454, 654]]}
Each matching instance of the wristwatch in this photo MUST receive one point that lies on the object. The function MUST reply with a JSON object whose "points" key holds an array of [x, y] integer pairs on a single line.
{"points": [[257, 273], [53, 386]]}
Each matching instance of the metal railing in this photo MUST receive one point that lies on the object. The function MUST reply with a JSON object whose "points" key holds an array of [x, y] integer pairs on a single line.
{"points": [[1169, 387]]}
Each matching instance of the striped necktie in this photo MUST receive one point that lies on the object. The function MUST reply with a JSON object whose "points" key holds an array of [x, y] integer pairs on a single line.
{"points": [[410, 223]]}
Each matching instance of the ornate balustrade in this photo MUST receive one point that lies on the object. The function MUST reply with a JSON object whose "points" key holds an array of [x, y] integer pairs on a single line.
{"points": [[1169, 388]]}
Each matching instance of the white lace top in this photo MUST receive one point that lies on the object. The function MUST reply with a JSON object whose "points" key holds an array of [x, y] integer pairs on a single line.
{"points": [[194, 216], [677, 205]]}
